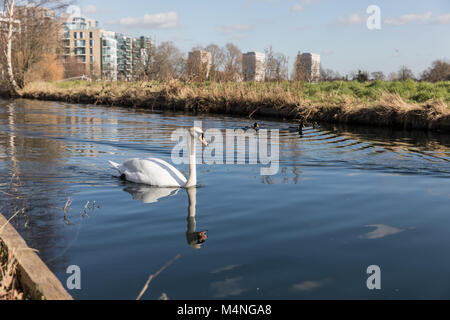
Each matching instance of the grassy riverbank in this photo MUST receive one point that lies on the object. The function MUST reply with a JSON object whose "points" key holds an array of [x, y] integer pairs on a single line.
{"points": [[407, 104]]}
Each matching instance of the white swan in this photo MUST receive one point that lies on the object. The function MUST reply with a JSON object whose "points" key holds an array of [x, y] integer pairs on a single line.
{"points": [[159, 173]]}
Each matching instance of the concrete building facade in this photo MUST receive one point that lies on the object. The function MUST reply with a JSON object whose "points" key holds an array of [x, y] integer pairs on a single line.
{"points": [[199, 64], [307, 67], [124, 57], [109, 56], [102, 54], [82, 45], [254, 66]]}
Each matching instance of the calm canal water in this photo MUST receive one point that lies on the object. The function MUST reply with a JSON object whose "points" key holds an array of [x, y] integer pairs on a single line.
{"points": [[344, 199]]}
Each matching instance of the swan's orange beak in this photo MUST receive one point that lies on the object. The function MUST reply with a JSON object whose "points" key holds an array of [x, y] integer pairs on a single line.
{"points": [[202, 139]]}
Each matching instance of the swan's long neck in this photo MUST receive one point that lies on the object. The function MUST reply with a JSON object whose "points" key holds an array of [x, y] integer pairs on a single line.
{"points": [[192, 180]]}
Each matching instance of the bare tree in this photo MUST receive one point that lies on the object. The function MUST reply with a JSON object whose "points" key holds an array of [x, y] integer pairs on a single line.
{"points": [[405, 73], [276, 65], [168, 63], [6, 40], [439, 71], [393, 76], [232, 62], [199, 65], [217, 62], [32, 33], [142, 70], [73, 67], [378, 75], [330, 75], [360, 75]]}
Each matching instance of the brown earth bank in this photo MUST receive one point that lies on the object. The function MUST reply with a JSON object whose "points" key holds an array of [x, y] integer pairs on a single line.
{"points": [[389, 104]]}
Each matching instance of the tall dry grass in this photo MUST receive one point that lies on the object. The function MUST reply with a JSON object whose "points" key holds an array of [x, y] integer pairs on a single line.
{"points": [[9, 283]]}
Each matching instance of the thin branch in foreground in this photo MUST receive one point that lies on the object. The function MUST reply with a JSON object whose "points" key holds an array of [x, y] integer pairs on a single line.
{"points": [[155, 275], [15, 214], [66, 206]]}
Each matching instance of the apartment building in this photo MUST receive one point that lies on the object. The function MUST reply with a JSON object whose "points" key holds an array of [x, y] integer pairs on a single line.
{"points": [[32, 11], [82, 41], [124, 57], [199, 64], [307, 67], [4, 23], [254, 66], [99, 53], [109, 56]]}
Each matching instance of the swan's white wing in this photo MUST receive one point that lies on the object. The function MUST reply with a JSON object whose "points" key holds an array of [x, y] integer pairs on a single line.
{"points": [[152, 171]]}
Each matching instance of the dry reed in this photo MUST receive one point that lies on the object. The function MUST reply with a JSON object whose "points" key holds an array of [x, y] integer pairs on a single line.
{"points": [[347, 103]]}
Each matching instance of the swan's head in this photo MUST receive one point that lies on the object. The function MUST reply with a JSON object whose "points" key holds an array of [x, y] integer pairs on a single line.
{"points": [[196, 132], [196, 239]]}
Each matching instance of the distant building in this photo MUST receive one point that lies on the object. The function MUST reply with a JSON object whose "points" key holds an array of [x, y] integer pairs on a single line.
{"points": [[33, 11], [254, 66], [89, 50], [109, 56], [308, 67], [124, 57], [199, 64], [82, 41], [4, 23]]}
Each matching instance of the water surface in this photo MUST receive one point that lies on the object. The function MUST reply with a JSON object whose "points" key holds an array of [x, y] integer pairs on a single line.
{"points": [[344, 199]]}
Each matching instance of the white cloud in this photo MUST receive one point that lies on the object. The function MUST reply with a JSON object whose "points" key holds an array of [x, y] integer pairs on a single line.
{"points": [[354, 18], [300, 6], [445, 19], [89, 9], [151, 21], [409, 18]]}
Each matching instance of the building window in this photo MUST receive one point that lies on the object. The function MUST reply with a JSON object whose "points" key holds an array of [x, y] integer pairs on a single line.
{"points": [[91, 51], [90, 34], [92, 58], [91, 43], [75, 35]]}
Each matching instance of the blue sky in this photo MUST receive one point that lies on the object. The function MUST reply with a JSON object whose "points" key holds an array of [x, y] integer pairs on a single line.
{"points": [[413, 32]]}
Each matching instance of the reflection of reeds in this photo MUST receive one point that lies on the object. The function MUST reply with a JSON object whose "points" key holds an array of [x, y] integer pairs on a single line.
{"points": [[398, 104]]}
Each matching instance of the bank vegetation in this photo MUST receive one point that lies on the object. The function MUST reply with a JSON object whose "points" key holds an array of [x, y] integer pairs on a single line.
{"points": [[408, 104]]}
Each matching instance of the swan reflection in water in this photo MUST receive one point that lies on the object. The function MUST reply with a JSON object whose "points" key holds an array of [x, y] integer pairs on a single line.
{"points": [[149, 194], [194, 239]]}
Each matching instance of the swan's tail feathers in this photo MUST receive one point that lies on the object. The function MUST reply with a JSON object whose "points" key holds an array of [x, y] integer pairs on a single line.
{"points": [[114, 165]]}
